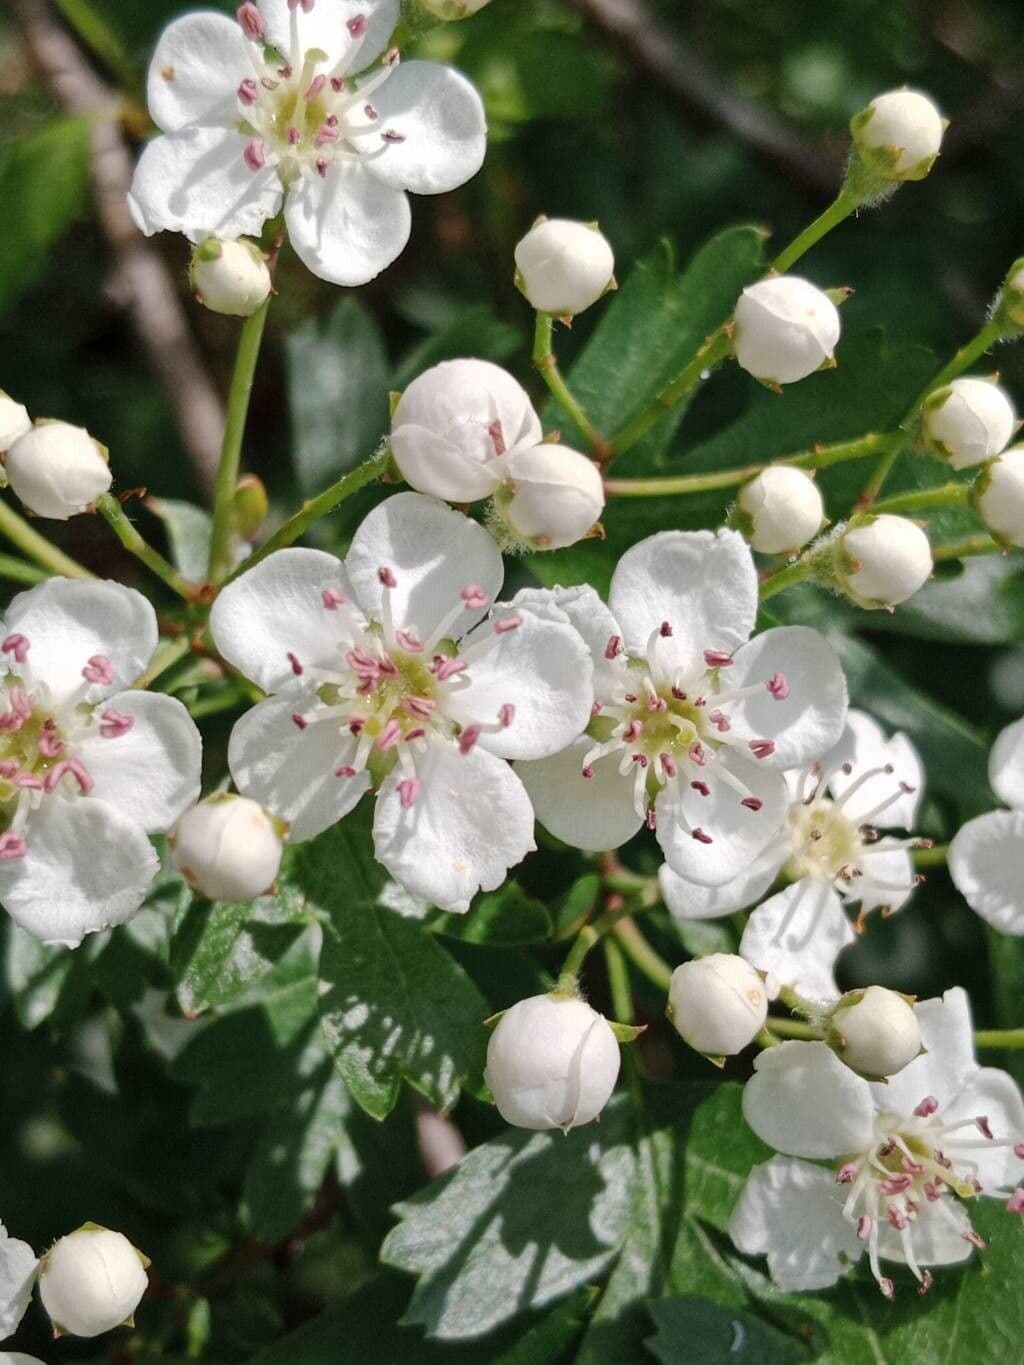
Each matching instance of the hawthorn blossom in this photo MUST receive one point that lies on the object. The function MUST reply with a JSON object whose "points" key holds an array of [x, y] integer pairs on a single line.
{"points": [[293, 104], [831, 851], [692, 725], [881, 1166], [18, 1266], [386, 672], [87, 768], [986, 856]]}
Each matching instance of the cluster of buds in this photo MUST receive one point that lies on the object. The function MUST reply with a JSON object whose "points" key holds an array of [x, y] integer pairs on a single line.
{"points": [[57, 470]]}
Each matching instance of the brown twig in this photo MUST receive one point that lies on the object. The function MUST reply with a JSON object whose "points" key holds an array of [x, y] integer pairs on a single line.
{"points": [[143, 285]]}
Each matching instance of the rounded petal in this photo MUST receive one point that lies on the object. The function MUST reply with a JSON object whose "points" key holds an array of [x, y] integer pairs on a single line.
{"points": [[152, 771], [864, 746], [808, 721], [199, 61], [887, 879], [702, 582], [1006, 765], [792, 1212], [803, 1101], [325, 26], [595, 623], [433, 551], [939, 1236], [471, 822], [347, 225], [439, 118], [292, 771], [796, 936], [994, 1095], [69, 621], [18, 1267], [946, 1066], [690, 900], [986, 862], [593, 813], [86, 868], [275, 613], [197, 182]]}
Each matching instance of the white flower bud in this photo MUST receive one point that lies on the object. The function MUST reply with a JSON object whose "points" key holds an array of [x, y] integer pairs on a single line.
{"points": [[875, 1032], [785, 329], [14, 421], [999, 497], [228, 848], [454, 427], [57, 470], [899, 135], [717, 1004], [783, 509], [91, 1281], [552, 1062], [563, 267], [453, 9], [968, 421], [230, 277], [883, 561], [553, 497]]}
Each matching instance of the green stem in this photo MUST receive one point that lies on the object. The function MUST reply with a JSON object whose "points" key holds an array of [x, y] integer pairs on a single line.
{"points": [[231, 448], [930, 857], [949, 495], [873, 443], [213, 705], [842, 206], [963, 549], [618, 982], [999, 1037], [17, 571], [165, 657], [785, 578], [585, 940], [37, 547], [792, 1028], [546, 363], [133, 542], [641, 954], [882, 471], [713, 351]]}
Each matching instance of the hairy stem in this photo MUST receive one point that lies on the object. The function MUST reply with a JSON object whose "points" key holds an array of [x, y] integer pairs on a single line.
{"points": [[133, 542], [949, 495], [546, 363], [840, 209], [785, 578]]}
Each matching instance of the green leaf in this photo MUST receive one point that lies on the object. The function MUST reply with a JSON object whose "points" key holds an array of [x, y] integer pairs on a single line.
{"points": [[694, 1329], [500, 919], [472, 330], [188, 533], [43, 981]]}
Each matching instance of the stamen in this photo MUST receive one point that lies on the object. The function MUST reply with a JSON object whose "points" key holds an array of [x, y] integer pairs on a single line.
{"points": [[506, 624], [506, 715], [975, 1240], [762, 748], [1015, 1203], [468, 738], [387, 577], [408, 790], [255, 154], [753, 803], [474, 597], [251, 21], [333, 599], [669, 764], [614, 647], [717, 658], [701, 836], [701, 787], [927, 1107], [315, 88], [778, 686], [71, 767], [113, 724], [12, 846], [346, 770], [846, 1173], [18, 646], [300, 722], [248, 91], [494, 431], [665, 630], [447, 668], [99, 669], [389, 736], [408, 642], [357, 26], [297, 668]]}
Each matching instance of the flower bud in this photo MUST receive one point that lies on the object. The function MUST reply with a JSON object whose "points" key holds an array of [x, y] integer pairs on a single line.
{"points": [[227, 848], [91, 1281], [968, 421], [780, 510], [552, 1062], [57, 470], [785, 329], [230, 277], [454, 426], [250, 505], [999, 497], [875, 1032], [553, 497], [717, 1004], [14, 421], [898, 136], [562, 267], [883, 560], [453, 9]]}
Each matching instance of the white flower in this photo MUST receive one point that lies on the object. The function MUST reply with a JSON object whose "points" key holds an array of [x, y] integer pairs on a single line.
{"points": [[552, 1062], [830, 850], [899, 135], [882, 561], [999, 496], [14, 421], [986, 856], [875, 1032], [717, 1004], [271, 110], [552, 498], [227, 848], [387, 672], [784, 509], [87, 768], [230, 277], [91, 1281], [785, 329], [968, 421], [899, 1157], [563, 267], [691, 726], [18, 1267], [57, 470], [455, 426]]}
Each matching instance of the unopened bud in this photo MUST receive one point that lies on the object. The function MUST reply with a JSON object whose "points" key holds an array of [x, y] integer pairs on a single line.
{"points": [[780, 510], [553, 497], [968, 421], [552, 1062], [785, 328], [57, 470], [14, 421], [228, 848], [998, 496], [91, 1281], [249, 505], [562, 267], [899, 135], [453, 9], [875, 1032], [230, 277], [882, 560], [717, 1004]]}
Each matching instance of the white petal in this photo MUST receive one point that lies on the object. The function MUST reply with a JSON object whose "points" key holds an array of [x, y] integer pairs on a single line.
{"points": [[690, 900], [702, 582], [803, 1101], [864, 745], [948, 1064], [440, 117], [347, 226], [151, 773], [544, 670], [938, 1236], [597, 626], [994, 1095], [433, 551], [809, 721], [293, 772], [796, 936], [199, 63], [887, 879], [593, 813], [986, 862], [18, 1266], [738, 835], [276, 610], [197, 182], [471, 822], [87, 867], [325, 27], [792, 1212], [69, 621], [1006, 765]]}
